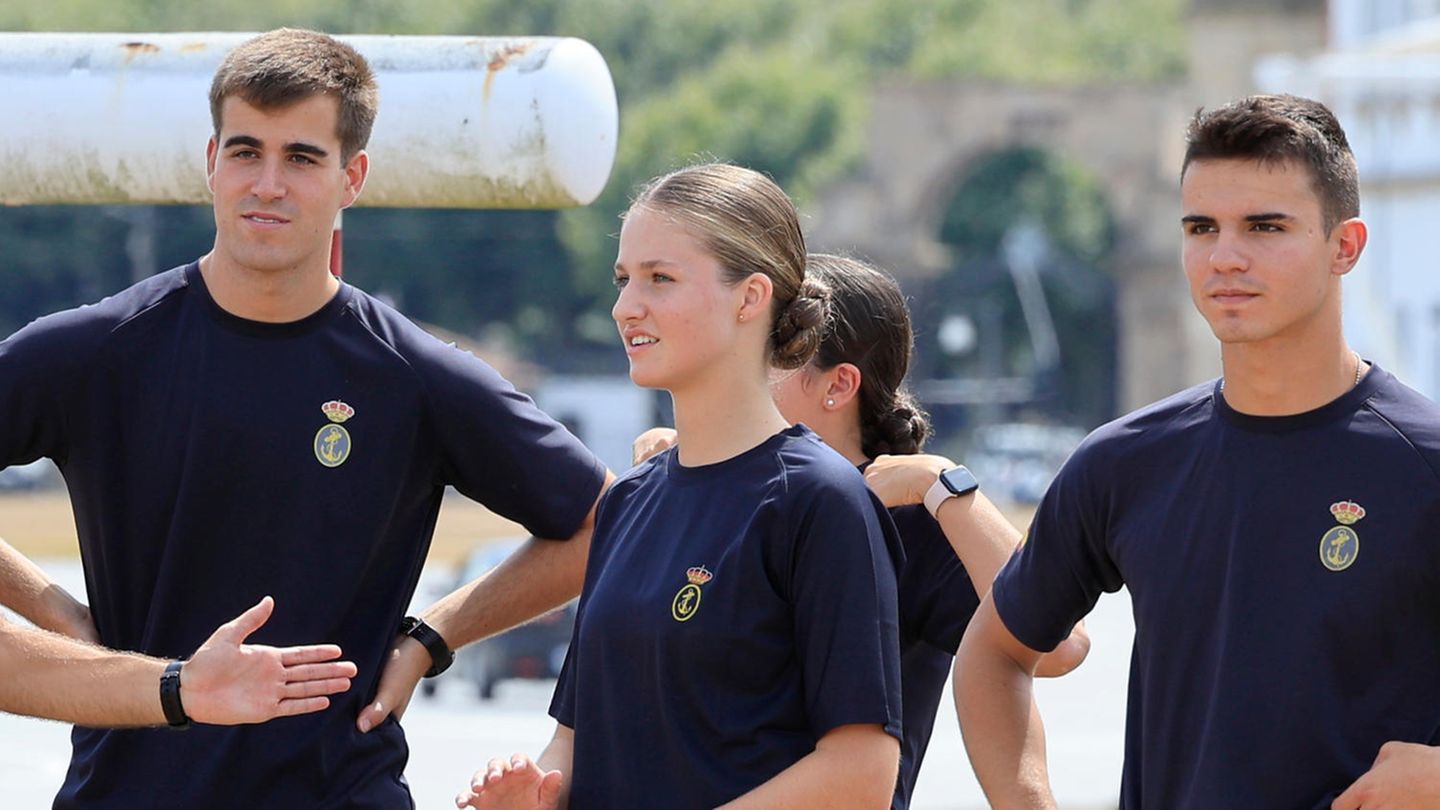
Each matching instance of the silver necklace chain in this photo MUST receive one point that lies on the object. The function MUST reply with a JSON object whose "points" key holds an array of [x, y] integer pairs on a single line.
{"points": [[1359, 368]]}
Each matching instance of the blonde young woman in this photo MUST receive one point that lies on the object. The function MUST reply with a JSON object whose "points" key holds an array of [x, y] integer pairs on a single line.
{"points": [[736, 643], [853, 395]]}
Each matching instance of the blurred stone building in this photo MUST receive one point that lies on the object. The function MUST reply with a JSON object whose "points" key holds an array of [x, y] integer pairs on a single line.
{"points": [[925, 139]]}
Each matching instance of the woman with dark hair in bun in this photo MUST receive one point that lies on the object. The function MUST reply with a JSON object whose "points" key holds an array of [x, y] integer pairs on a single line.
{"points": [[737, 641], [853, 395]]}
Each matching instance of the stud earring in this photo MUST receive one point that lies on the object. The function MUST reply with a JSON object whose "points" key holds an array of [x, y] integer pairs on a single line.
{"points": [[829, 403], [742, 317]]}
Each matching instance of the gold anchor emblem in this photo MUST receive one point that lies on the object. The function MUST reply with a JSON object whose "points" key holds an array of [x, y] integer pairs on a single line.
{"points": [[332, 442], [1341, 545], [687, 600]]}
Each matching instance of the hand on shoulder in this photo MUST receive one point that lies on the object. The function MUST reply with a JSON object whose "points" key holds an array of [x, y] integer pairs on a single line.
{"points": [[652, 442], [903, 480]]}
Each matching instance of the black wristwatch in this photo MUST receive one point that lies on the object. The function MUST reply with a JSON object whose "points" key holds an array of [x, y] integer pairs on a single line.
{"points": [[170, 697], [441, 655]]}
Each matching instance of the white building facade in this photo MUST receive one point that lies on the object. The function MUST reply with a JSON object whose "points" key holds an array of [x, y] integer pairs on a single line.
{"points": [[1381, 76]]}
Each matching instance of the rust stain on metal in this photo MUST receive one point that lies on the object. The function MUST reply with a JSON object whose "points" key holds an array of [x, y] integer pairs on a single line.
{"points": [[134, 49], [500, 61]]}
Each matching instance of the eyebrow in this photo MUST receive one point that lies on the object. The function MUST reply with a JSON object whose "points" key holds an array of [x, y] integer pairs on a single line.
{"points": [[649, 264], [1268, 216], [295, 146]]}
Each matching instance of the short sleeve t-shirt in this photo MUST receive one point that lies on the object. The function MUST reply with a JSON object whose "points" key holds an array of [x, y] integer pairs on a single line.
{"points": [[732, 614], [1285, 577], [213, 460]]}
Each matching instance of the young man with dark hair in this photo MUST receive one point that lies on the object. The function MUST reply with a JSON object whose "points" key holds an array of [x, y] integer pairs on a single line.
{"points": [[1279, 660], [247, 424]]}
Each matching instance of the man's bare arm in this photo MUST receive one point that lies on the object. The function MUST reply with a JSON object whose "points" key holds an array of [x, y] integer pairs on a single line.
{"points": [[994, 682], [43, 674], [538, 577], [29, 591]]}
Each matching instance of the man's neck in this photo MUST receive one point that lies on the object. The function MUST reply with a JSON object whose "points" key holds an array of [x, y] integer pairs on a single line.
{"points": [[1264, 381], [268, 297]]}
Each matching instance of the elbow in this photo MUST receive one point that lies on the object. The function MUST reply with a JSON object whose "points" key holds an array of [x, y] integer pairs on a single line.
{"points": [[1065, 658]]}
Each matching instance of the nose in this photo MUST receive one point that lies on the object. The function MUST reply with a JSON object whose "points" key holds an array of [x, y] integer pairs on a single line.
{"points": [[1228, 256], [628, 306], [269, 183]]}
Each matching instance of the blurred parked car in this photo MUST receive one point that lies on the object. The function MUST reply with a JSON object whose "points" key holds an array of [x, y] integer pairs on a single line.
{"points": [[1015, 462], [533, 650]]}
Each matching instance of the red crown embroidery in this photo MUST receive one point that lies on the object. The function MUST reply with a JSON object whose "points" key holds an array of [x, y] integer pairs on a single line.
{"points": [[1347, 512]]}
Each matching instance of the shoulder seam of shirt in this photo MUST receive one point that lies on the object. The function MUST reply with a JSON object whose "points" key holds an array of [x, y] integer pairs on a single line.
{"points": [[1369, 405]]}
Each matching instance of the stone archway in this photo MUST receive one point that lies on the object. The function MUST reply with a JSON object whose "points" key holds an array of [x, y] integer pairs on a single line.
{"points": [[922, 140]]}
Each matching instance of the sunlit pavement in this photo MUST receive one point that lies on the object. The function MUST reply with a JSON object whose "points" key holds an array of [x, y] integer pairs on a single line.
{"points": [[454, 733]]}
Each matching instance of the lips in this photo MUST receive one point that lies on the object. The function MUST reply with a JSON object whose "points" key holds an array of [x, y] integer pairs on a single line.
{"points": [[264, 219], [636, 341]]}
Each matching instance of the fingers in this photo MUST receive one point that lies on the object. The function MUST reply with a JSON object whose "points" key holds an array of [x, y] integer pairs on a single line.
{"points": [[292, 707], [320, 672], [239, 628], [309, 654], [372, 716], [314, 688]]}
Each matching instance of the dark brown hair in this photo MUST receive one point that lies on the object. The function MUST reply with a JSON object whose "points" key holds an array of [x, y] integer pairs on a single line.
{"points": [[750, 225], [1275, 129], [288, 65], [870, 328]]}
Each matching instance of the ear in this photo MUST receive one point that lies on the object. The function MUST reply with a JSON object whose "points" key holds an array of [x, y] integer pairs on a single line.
{"points": [[356, 170], [756, 291], [842, 385], [1349, 238], [212, 151]]}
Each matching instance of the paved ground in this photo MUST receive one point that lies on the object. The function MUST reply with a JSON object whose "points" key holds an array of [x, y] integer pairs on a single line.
{"points": [[454, 733]]}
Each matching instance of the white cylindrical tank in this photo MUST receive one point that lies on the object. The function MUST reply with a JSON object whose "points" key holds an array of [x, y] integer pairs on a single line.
{"points": [[464, 122]]}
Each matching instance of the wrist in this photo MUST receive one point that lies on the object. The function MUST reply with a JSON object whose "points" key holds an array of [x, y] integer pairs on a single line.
{"points": [[171, 702], [430, 640]]}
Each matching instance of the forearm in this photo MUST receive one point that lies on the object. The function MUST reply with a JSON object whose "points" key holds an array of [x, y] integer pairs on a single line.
{"points": [[1003, 733], [851, 767], [47, 675], [559, 755], [540, 576], [30, 592], [982, 537]]}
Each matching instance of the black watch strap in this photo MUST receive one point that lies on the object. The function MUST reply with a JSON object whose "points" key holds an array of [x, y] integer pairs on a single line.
{"points": [[170, 696], [441, 656]]}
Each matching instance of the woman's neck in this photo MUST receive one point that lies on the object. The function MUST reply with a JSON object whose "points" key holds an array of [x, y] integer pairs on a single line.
{"points": [[719, 420]]}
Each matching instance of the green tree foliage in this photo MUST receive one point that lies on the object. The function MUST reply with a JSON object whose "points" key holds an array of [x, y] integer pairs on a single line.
{"points": [[779, 86]]}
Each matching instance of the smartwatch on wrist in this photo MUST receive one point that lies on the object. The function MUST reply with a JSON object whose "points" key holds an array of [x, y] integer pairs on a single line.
{"points": [[441, 656], [952, 483], [170, 697]]}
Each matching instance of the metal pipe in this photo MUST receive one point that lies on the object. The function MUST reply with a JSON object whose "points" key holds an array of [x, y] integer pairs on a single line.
{"points": [[465, 122]]}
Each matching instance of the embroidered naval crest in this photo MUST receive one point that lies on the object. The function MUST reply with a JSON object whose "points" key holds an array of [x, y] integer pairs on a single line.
{"points": [[332, 442], [1341, 545], [687, 600]]}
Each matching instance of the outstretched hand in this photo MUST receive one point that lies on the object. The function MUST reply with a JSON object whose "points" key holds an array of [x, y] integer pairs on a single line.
{"points": [[518, 783], [228, 682]]}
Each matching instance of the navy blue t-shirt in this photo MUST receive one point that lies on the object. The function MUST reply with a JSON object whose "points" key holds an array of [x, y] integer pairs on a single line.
{"points": [[1285, 577], [732, 614], [212, 460], [937, 600]]}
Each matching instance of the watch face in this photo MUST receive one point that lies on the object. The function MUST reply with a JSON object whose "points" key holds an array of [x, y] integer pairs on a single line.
{"points": [[959, 481]]}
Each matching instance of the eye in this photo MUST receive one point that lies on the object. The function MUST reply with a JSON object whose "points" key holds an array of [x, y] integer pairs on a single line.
{"points": [[302, 159], [659, 277], [244, 154], [621, 281], [1268, 227], [1198, 228]]}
